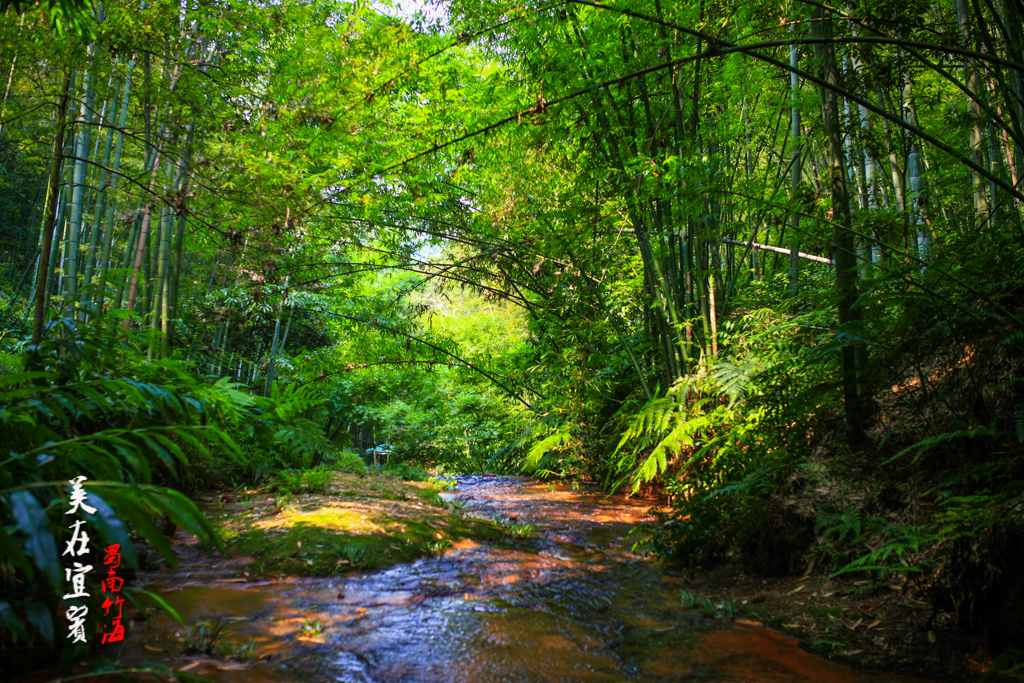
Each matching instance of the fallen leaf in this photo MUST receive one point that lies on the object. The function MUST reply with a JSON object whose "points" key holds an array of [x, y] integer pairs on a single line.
{"points": [[877, 623], [748, 622], [797, 589]]}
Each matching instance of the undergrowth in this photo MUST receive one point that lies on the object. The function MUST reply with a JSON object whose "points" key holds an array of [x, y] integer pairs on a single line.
{"points": [[88, 405], [751, 448]]}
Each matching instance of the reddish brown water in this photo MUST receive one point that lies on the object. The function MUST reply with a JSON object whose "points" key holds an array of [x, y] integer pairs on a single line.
{"points": [[570, 605]]}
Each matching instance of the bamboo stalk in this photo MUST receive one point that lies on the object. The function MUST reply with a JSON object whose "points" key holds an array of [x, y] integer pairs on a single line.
{"points": [[112, 190], [796, 168], [845, 261], [778, 250], [981, 206], [56, 157], [82, 138]]}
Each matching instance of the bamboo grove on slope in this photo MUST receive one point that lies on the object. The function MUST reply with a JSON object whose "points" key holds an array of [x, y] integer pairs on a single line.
{"points": [[903, 145]]}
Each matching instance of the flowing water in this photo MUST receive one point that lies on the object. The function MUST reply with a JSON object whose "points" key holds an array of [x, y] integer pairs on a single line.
{"points": [[571, 604]]}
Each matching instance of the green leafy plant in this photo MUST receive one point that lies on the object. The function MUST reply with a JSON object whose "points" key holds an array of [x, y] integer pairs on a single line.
{"points": [[70, 417], [521, 530], [275, 427], [724, 609], [406, 471], [242, 651], [209, 637], [205, 637], [309, 481], [347, 461], [437, 546], [443, 484], [311, 628], [355, 555], [454, 505]]}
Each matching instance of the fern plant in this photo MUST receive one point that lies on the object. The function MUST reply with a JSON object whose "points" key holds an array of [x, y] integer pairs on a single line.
{"points": [[70, 416], [686, 421], [275, 430]]}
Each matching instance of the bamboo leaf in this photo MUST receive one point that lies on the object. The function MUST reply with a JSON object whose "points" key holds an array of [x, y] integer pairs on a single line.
{"points": [[40, 617], [39, 544], [11, 622], [111, 529]]}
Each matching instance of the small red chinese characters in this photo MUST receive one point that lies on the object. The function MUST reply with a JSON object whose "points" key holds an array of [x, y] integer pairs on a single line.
{"points": [[113, 603]]}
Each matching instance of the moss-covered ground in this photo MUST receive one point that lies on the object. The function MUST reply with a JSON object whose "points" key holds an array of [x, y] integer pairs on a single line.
{"points": [[355, 522]]}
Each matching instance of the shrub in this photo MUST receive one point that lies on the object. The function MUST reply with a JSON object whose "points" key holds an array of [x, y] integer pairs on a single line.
{"points": [[309, 481], [347, 461], [406, 471]]}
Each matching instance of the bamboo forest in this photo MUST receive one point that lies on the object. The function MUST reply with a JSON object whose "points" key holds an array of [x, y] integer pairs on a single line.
{"points": [[530, 341]]}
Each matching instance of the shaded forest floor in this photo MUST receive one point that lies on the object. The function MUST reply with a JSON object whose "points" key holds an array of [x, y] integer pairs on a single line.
{"points": [[857, 623]]}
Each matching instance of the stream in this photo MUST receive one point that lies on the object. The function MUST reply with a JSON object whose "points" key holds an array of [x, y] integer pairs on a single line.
{"points": [[569, 604]]}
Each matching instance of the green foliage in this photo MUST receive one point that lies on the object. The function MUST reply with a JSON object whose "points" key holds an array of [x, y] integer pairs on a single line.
{"points": [[731, 438], [355, 555], [454, 505], [311, 628], [437, 547], [346, 461], [726, 609], [308, 481], [209, 637], [521, 241], [443, 484], [406, 471], [697, 417], [87, 407], [842, 526], [63, 15], [70, 418], [520, 530], [276, 425], [204, 637]]}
